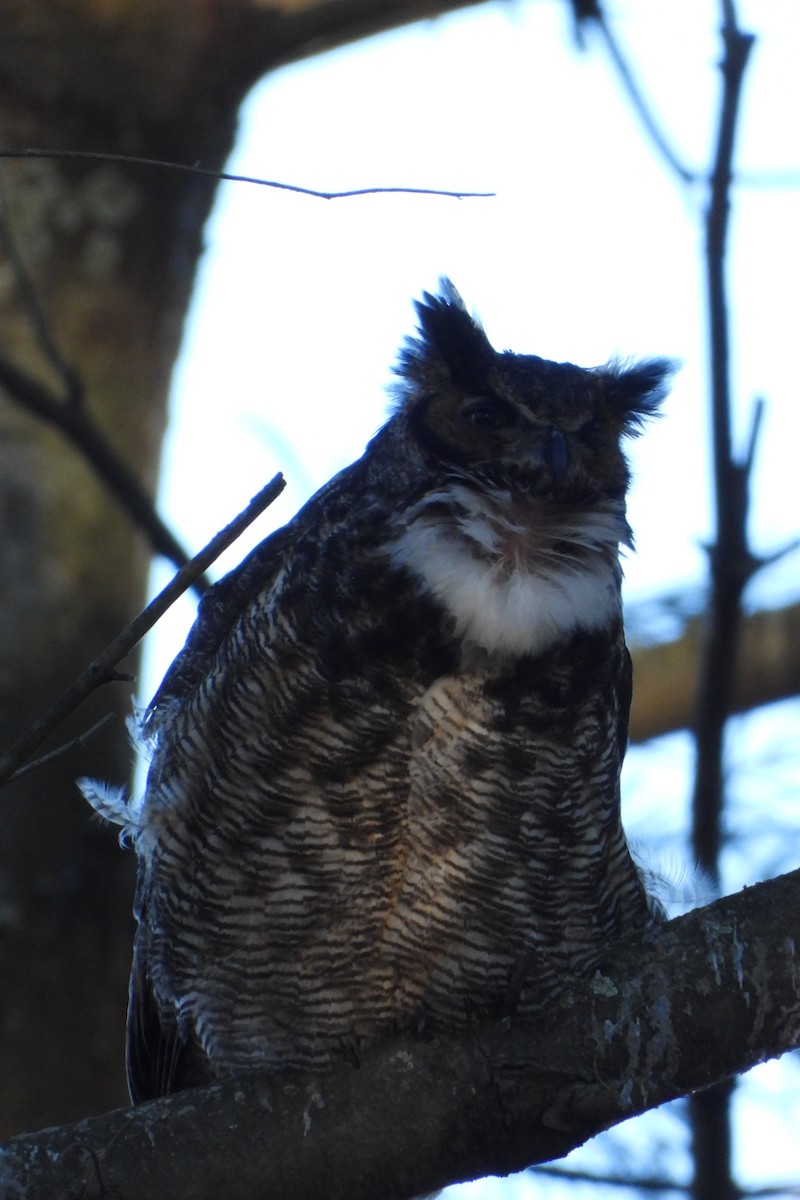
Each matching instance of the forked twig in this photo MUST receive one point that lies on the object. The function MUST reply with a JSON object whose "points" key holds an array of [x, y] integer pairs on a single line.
{"points": [[68, 413], [72, 744], [70, 416], [103, 669]]}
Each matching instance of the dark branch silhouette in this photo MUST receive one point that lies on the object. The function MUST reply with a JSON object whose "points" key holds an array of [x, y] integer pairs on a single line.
{"points": [[653, 1185], [104, 669], [29, 296], [72, 744], [69, 415], [196, 169], [638, 101], [68, 412]]}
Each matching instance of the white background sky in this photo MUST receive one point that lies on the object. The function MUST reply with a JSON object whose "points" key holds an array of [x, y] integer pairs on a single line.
{"points": [[589, 249]]}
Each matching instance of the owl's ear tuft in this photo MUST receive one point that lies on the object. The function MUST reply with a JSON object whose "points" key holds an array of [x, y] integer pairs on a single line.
{"points": [[637, 391], [450, 342]]}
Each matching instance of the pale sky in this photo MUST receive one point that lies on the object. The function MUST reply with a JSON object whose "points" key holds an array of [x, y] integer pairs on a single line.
{"points": [[589, 249]]}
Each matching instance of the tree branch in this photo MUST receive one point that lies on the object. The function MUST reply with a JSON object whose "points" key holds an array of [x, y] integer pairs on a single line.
{"points": [[71, 418], [673, 1010], [68, 414], [640, 104], [29, 296], [196, 169], [103, 669]]}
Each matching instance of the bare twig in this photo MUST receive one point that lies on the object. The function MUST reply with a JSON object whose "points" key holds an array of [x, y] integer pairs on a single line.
{"points": [[638, 1183], [103, 669], [653, 1185], [77, 425], [778, 178], [641, 106], [59, 750], [196, 169], [68, 413], [73, 386]]}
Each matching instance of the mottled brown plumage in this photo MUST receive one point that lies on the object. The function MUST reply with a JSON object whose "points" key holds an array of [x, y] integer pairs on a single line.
{"points": [[385, 785]]}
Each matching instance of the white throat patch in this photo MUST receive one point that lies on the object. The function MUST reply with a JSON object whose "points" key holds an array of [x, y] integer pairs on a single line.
{"points": [[514, 578]]}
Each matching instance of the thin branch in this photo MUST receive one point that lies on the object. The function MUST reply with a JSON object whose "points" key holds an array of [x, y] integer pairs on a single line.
{"points": [[103, 669], [640, 104], [633, 1183], [73, 744], [775, 1190], [196, 169], [756, 422], [73, 387], [68, 413], [780, 177], [75, 423], [653, 1185]]}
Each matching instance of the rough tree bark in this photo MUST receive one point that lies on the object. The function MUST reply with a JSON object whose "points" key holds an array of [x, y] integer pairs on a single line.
{"points": [[675, 1009]]}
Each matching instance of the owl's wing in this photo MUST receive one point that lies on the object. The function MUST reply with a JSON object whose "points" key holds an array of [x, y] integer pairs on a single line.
{"points": [[153, 1053], [158, 1059]]}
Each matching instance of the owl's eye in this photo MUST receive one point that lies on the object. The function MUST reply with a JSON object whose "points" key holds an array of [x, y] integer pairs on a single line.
{"points": [[487, 413]]}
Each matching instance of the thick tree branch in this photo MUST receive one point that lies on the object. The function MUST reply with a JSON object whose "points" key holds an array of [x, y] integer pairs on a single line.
{"points": [[676, 1009]]}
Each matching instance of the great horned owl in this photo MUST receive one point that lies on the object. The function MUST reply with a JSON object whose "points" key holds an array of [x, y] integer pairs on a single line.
{"points": [[384, 792]]}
